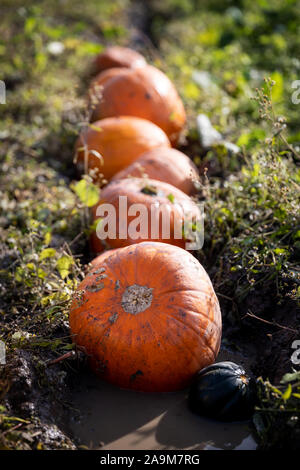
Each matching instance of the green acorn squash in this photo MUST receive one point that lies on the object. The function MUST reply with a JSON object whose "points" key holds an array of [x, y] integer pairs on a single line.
{"points": [[222, 391]]}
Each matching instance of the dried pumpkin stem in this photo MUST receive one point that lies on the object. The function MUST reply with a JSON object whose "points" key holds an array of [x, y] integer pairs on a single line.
{"points": [[137, 299]]}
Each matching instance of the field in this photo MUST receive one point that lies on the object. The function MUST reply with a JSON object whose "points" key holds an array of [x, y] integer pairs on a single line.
{"points": [[236, 62]]}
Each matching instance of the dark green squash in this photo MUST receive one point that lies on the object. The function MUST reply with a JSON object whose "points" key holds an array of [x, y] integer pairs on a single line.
{"points": [[222, 391]]}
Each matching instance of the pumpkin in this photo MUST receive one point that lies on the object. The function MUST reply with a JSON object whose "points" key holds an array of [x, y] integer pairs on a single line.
{"points": [[100, 258], [145, 92], [103, 77], [119, 141], [222, 391], [164, 164], [96, 87], [148, 193], [148, 318], [117, 56]]}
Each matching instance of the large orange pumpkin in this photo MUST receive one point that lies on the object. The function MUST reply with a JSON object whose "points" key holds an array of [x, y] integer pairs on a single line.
{"points": [[119, 141], [171, 205], [145, 92], [102, 257], [164, 164], [148, 318], [117, 56]]}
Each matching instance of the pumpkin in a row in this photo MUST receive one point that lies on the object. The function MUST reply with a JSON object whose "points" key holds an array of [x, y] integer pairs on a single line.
{"points": [[143, 91], [148, 317], [117, 56], [113, 143], [146, 314], [128, 146], [134, 210], [164, 164]]}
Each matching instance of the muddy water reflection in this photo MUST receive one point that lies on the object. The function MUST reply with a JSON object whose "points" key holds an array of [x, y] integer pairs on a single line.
{"points": [[111, 418]]}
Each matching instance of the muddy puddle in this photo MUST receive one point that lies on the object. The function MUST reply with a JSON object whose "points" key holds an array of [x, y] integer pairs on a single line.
{"points": [[113, 419]]}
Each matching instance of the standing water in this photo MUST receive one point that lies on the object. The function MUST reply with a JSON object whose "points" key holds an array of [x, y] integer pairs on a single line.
{"points": [[109, 418]]}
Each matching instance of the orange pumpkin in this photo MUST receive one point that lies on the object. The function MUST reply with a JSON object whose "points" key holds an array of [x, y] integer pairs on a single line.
{"points": [[164, 164], [117, 56], [103, 77], [96, 87], [148, 318], [145, 92], [119, 141], [101, 258], [171, 204]]}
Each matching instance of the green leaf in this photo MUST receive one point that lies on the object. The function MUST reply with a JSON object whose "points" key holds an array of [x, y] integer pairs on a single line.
{"points": [[63, 265], [171, 198], [251, 138], [41, 274], [95, 128], [191, 91], [276, 390], [88, 193], [296, 234], [280, 251], [244, 139], [88, 48], [47, 238], [30, 24], [291, 377], [69, 346], [19, 274], [47, 253], [277, 90], [286, 395], [256, 170], [30, 266]]}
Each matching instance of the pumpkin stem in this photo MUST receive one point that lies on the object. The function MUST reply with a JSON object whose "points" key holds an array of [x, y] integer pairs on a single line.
{"points": [[244, 379], [137, 299]]}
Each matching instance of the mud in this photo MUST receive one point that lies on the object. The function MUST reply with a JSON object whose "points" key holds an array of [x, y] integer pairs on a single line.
{"points": [[37, 393]]}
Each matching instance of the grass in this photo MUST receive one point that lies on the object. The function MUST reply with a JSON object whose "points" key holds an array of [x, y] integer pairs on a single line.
{"points": [[252, 201], [252, 232]]}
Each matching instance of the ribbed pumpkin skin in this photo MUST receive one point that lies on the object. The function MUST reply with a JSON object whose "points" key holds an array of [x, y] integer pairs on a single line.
{"points": [[120, 141], [133, 189], [222, 391], [161, 346], [117, 56], [145, 92], [164, 164]]}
